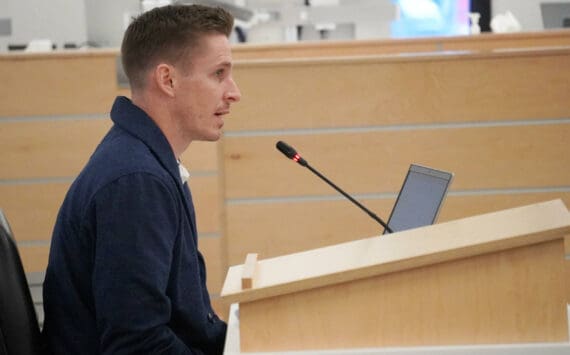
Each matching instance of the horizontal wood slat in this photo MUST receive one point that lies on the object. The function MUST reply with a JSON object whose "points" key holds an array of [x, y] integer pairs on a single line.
{"points": [[206, 195], [211, 249], [498, 41], [273, 229], [31, 209], [52, 85], [401, 90], [47, 149], [201, 157], [221, 308], [483, 42], [371, 162], [60, 148], [34, 258]]}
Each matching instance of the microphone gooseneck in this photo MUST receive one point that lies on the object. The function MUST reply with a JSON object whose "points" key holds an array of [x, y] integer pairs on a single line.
{"points": [[291, 153]]}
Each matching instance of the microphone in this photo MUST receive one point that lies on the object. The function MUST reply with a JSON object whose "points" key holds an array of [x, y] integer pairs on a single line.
{"points": [[291, 153]]}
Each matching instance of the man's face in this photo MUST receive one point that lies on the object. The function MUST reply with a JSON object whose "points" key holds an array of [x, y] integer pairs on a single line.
{"points": [[205, 90]]}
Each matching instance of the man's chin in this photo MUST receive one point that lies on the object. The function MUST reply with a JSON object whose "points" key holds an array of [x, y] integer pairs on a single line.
{"points": [[213, 137]]}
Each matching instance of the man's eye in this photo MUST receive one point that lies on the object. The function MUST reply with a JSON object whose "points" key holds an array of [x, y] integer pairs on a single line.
{"points": [[219, 72]]}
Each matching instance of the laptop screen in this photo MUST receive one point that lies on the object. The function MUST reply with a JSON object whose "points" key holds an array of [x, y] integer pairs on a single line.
{"points": [[420, 198]]}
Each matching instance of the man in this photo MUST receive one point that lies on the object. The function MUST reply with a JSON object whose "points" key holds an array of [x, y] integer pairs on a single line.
{"points": [[124, 274]]}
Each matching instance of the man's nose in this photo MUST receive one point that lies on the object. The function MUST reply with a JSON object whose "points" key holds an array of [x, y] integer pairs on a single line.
{"points": [[233, 94]]}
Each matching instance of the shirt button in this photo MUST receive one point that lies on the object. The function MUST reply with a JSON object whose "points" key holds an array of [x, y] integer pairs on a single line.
{"points": [[210, 317]]}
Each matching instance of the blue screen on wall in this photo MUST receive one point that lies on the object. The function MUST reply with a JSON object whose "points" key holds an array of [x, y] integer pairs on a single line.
{"points": [[422, 18]]}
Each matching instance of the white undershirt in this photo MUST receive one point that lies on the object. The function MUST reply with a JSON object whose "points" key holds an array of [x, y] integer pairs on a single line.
{"points": [[184, 174]]}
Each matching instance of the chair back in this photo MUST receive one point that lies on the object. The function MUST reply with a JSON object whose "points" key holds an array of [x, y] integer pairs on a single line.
{"points": [[19, 329]]}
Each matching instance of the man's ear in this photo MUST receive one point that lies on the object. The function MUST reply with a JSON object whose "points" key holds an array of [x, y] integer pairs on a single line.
{"points": [[164, 76]]}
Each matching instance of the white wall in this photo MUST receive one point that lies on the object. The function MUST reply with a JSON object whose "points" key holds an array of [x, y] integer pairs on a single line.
{"points": [[62, 21], [106, 20], [360, 19]]}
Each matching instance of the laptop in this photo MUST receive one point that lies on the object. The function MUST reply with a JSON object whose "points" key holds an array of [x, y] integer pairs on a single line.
{"points": [[420, 198], [555, 14]]}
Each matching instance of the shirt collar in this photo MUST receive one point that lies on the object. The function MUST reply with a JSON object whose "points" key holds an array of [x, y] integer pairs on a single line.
{"points": [[135, 121], [184, 174]]}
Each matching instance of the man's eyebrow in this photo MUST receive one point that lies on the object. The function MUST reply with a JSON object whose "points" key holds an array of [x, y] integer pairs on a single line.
{"points": [[225, 64]]}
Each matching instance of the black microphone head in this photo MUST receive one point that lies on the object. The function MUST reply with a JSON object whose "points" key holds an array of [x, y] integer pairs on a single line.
{"points": [[286, 149]]}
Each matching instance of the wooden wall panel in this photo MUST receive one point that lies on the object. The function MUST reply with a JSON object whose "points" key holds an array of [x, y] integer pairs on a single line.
{"points": [[483, 42], [210, 247], [31, 209], [376, 161], [57, 84], [361, 121], [34, 257], [48, 148], [278, 228], [206, 196], [201, 157], [499, 121], [318, 93], [221, 308], [507, 41], [61, 147]]}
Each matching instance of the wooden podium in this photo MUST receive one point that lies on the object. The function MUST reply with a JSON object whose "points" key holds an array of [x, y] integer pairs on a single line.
{"points": [[497, 278]]}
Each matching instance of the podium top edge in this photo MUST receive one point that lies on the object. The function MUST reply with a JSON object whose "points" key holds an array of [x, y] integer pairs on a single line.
{"points": [[477, 235]]}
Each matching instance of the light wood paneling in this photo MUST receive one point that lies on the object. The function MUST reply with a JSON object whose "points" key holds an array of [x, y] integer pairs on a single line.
{"points": [[406, 250], [123, 91], [500, 297], [369, 162], [32, 209], [211, 249], [221, 308], [206, 196], [307, 94], [457, 207], [57, 85], [46, 149], [201, 156], [273, 229], [494, 41], [34, 258], [251, 51], [60, 148], [315, 93], [483, 42], [341, 109]]}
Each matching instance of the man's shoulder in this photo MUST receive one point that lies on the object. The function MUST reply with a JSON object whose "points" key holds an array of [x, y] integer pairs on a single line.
{"points": [[119, 157], [120, 154]]}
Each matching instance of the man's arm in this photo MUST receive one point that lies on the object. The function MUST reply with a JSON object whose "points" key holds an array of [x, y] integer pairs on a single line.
{"points": [[137, 221]]}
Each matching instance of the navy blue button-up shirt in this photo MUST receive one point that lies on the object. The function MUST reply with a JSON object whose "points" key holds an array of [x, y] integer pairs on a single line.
{"points": [[125, 275]]}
